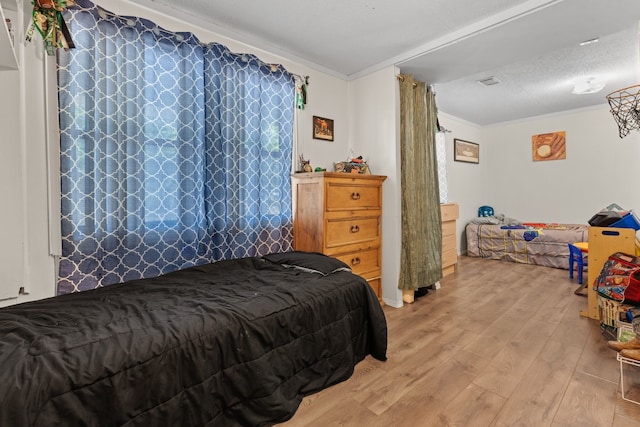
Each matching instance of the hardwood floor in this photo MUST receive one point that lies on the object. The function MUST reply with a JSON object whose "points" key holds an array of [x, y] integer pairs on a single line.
{"points": [[500, 344]]}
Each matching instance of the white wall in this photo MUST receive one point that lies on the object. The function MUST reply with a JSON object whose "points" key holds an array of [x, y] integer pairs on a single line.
{"points": [[374, 134], [12, 188], [25, 261], [599, 169], [466, 181], [327, 97]]}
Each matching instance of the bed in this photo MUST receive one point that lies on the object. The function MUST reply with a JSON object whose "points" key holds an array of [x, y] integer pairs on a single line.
{"points": [[528, 243], [236, 342]]}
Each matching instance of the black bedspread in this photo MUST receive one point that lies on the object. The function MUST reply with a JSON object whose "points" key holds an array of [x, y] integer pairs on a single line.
{"points": [[235, 342]]}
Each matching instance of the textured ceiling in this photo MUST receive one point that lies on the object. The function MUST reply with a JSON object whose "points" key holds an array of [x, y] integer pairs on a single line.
{"points": [[530, 46]]}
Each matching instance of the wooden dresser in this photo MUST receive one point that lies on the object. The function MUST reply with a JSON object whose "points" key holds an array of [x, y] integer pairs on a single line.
{"points": [[340, 215], [449, 213]]}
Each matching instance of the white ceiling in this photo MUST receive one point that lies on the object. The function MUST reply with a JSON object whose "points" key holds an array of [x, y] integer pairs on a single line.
{"points": [[530, 46]]}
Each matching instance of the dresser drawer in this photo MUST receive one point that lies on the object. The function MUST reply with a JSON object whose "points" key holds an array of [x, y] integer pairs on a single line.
{"points": [[449, 257], [362, 262], [345, 196], [376, 285], [449, 244], [343, 231], [448, 229], [449, 211]]}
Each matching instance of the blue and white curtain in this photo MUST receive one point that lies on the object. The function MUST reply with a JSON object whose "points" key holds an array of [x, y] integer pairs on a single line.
{"points": [[173, 153]]}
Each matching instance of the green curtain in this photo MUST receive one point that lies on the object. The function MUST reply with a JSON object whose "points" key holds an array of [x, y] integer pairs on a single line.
{"points": [[421, 262]]}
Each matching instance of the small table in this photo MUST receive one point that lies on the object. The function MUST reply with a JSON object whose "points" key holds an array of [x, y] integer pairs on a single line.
{"points": [[583, 246]]}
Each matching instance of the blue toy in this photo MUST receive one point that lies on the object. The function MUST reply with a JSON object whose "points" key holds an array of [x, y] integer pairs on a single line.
{"points": [[484, 211]]}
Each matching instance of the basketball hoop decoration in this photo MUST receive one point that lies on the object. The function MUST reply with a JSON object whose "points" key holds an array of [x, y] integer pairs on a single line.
{"points": [[625, 107], [48, 21]]}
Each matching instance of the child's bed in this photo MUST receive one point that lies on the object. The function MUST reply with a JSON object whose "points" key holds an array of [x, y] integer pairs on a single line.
{"points": [[541, 244], [236, 342]]}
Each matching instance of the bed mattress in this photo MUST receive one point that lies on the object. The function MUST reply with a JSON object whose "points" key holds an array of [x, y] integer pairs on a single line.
{"points": [[235, 342], [541, 244]]}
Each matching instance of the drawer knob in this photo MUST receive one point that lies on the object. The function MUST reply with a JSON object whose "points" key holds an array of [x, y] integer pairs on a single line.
{"points": [[355, 196], [355, 261], [355, 228]]}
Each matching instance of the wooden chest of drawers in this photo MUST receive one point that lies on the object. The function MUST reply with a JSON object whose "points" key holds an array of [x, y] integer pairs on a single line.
{"points": [[340, 214], [449, 213]]}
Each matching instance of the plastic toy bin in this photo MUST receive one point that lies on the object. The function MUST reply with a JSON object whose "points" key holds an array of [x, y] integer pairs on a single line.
{"points": [[629, 220]]}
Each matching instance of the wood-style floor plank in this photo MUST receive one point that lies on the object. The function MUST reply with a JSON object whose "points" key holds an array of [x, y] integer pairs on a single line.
{"points": [[588, 401], [500, 344], [536, 399]]}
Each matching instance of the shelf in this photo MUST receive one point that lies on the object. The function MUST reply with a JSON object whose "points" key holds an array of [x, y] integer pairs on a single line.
{"points": [[604, 241], [628, 361], [630, 395]]}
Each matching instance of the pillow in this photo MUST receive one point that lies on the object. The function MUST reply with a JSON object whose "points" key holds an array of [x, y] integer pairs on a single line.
{"points": [[485, 220], [309, 261]]}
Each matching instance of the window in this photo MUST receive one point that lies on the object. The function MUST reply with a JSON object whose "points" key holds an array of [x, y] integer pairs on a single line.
{"points": [[441, 154], [173, 153]]}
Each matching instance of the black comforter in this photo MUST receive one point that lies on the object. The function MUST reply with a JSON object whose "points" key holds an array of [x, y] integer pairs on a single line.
{"points": [[236, 342]]}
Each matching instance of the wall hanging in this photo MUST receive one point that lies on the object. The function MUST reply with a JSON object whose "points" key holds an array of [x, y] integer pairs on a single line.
{"points": [[47, 19], [322, 128], [301, 91], [465, 151], [549, 146]]}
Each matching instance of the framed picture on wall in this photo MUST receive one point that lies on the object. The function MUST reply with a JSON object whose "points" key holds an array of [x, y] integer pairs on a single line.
{"points": [[549, 146], [322, 128], [465, 151]]}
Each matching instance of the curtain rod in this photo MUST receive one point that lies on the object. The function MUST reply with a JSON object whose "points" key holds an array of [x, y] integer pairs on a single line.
{"points": [[431, 87]]}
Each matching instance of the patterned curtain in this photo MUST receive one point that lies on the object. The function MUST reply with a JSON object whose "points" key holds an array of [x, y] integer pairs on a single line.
{"points": [[421, 258], [173, 153], [248, 149], [441, 155]]}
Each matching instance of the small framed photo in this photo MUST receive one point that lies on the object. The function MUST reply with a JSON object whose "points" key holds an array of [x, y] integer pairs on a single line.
{"points": [[322, 128], [465, 151]]}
